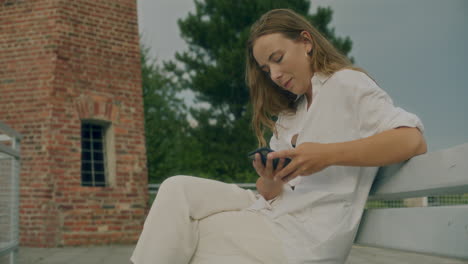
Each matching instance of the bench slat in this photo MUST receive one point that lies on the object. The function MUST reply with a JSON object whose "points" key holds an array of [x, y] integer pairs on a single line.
{"points": [[435, 173], [433, 230]]}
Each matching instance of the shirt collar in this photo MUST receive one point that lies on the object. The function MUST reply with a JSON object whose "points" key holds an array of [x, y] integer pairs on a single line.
{"points": [[318, 76], [322, 77]]}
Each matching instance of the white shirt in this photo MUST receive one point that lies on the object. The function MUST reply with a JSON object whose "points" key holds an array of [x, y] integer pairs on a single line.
{"points": [[318, 220]]}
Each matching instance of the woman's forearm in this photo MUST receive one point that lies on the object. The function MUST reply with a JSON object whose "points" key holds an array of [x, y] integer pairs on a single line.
{"points": [[388, 147]]}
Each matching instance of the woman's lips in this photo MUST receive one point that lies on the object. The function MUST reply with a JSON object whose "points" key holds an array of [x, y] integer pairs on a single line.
{"points": [[287, 84]]}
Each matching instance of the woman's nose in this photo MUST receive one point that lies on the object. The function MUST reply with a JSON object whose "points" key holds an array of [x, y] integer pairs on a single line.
{"points": [[276, 74]]}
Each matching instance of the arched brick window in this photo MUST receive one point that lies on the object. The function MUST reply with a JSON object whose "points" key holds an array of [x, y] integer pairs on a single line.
{"points": [[98, 116]]}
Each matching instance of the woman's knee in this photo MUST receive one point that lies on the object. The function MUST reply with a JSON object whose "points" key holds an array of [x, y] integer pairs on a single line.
{"points": [[174, 182]]}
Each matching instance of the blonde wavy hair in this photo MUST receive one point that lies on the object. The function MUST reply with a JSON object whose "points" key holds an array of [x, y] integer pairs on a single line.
{"points": [[267, 98]]}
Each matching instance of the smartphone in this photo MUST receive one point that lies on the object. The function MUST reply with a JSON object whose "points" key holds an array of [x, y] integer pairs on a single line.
{"points": [[263, 155]]}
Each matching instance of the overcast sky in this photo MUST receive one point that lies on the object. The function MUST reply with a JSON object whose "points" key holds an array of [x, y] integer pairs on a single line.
{"points": [[417, 50]]}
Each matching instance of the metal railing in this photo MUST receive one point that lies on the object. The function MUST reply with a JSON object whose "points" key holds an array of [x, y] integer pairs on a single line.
{"points": [[9, 193]]}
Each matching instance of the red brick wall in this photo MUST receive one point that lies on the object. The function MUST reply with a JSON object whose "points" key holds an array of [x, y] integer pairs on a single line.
{"points": [[67, 61]]}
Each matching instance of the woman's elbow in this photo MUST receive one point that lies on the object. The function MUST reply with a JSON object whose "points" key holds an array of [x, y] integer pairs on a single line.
{"points": [[414, 141], [421, 146]]}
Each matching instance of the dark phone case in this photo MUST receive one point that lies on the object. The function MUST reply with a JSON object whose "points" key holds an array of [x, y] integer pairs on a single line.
{"points": [[263, 154]]}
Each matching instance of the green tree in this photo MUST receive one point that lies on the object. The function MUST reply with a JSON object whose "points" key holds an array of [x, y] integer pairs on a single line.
{"points": [[165, 120], [213, 68]]}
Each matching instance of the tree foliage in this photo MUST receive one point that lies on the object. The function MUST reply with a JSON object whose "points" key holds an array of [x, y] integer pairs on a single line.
{"points": [[165, 119], [213, 68], [216, 36]]}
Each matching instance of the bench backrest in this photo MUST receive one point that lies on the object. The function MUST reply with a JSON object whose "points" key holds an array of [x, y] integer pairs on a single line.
{"points": [[441, 230]]}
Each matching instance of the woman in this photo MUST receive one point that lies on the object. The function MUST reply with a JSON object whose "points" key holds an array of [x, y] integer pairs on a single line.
{"points": [[336, 125]]}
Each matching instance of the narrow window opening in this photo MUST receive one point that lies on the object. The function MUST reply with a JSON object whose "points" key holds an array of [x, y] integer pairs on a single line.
{"points": [[93, 154]]}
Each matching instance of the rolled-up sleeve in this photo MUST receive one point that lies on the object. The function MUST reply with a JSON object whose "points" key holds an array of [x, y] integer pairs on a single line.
{"points": [[376, 110]]}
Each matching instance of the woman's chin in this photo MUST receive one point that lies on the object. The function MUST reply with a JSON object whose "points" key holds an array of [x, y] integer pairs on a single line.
{"points": [[296, 91]]}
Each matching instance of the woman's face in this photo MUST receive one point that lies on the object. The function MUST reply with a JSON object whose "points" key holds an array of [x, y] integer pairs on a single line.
{"points": [[286, 61]]}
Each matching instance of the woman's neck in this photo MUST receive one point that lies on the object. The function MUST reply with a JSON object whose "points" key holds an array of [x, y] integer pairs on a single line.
{"points": [[308, 96]]}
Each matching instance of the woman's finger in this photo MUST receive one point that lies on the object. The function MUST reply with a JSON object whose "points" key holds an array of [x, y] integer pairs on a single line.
{"points": [[254, 164], [291, 176], [282, 154], [269, 165], [290, 168], [258, 164], [280, 165]]}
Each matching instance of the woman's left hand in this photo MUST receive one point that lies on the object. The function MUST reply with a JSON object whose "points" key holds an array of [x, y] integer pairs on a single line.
{"points": [[306, 159]]}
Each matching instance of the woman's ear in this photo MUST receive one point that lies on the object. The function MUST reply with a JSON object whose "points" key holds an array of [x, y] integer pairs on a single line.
{"points": [[307, 40]]}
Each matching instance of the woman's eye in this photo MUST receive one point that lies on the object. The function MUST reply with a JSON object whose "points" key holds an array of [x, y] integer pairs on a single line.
{"points": [[279, 59]]}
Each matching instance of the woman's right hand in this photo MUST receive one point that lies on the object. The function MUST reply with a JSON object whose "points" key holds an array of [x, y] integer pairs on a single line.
{"points": [[266, 185]]}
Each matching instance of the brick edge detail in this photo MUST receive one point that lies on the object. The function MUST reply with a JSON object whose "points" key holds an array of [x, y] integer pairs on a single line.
{"points": [[98, 108]]}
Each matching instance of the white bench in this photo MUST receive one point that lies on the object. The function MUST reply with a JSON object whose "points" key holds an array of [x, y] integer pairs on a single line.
{"points": [[441, 230]]}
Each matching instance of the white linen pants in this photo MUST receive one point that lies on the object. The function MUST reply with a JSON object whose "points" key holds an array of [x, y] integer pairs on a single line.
{"points": [[195, 220]]}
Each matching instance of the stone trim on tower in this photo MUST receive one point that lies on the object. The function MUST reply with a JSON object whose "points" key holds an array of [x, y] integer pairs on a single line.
{"points": [[98, 108]]}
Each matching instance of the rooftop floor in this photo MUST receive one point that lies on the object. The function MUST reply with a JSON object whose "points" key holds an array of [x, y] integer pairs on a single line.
{"points": [[119, 254]]}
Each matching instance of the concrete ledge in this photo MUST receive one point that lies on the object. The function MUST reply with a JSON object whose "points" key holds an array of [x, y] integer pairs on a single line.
{"points": [[371, 255]]}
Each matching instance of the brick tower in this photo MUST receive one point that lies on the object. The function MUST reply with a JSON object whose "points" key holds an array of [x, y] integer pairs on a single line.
{"points": [[70, 83]]}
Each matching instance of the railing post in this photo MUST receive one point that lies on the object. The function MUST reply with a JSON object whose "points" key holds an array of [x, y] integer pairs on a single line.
{"points": [[10, 154]]}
